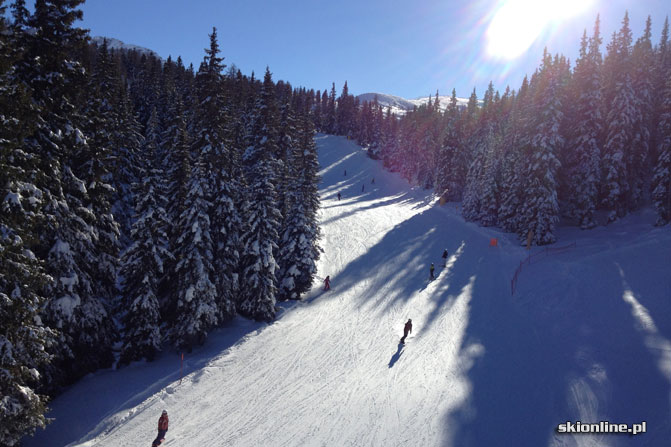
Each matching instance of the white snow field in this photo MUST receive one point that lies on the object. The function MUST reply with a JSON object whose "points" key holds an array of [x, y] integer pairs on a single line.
{"points": [[400, 106], [586, 337]]}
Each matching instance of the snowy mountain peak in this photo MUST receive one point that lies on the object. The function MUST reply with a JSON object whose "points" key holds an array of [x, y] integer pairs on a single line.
{"points": [[395, 102], [400, 106], [116, 44]]}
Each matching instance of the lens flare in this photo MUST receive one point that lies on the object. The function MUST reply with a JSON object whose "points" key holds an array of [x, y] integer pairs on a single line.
{"points": [[517, 24]]}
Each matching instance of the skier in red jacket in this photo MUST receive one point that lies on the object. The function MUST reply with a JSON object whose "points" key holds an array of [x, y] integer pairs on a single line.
{"points": [[327, 283], [406, 330], [162, 429]]}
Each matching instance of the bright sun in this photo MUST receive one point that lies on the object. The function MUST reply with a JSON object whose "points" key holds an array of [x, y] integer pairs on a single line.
{"points": [[518, 23]]}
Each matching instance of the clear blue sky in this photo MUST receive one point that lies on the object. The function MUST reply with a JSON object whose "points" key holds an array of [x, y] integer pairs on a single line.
{"points": [[406, 48]]}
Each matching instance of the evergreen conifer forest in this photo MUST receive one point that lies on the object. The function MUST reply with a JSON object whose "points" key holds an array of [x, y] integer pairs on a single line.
{"points": [[145, 203]]}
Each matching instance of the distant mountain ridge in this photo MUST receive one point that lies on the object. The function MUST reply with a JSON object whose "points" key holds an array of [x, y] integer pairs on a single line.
{"points": [[116, 44], [401, 106]]}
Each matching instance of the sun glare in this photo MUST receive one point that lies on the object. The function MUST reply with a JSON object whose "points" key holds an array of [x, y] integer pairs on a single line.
{"points": [[518, 23]]}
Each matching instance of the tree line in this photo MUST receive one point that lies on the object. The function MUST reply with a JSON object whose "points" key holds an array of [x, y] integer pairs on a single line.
{"points": [[143, 203], [588, 144]]}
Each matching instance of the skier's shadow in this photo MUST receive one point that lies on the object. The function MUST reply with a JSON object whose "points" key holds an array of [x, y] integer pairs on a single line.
{"points": [[397, 355]]}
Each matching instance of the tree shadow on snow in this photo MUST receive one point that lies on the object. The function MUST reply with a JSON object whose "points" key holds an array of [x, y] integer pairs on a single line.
{"points": [[95, 403], [559, 350], [396, 268], [337, 156]]}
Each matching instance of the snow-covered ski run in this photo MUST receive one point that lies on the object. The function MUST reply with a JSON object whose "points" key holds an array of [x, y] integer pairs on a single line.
{"points": [[586, 337]]}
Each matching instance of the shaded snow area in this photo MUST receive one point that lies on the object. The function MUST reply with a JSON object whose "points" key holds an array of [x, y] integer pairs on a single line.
{"points": [[586, 337]]}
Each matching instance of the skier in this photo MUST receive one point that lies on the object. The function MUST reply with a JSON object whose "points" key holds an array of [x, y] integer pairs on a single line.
{"points": [[162, 429], [445, 258], [373, 181], [327, 283], [362, 187], [431, 269], [406, 330], [338, 196], [345, 172]]}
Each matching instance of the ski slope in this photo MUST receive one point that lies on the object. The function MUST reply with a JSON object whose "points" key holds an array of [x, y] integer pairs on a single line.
{"points": [[586, 336]]}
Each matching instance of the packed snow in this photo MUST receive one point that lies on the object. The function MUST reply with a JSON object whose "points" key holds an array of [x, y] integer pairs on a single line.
{"points": [[585, 337]]}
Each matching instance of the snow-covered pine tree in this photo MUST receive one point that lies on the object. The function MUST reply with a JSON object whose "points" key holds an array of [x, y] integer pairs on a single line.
{"points": [[23, 338], [236, 225], [194, 293], [20, 13], [94, 163], [317, 112], [377, 124], [463, 156], [175, 154], [144, 86], [127, 141], [432, 143], [214, 143], [393, 152], [622, 115], [298, 247], [619, 121], [471, 203], [489, 183], [582, 170], [388, 136], [661, 67], [516, 145], [287, 144], [325, 111], [364, 125], [482, 142], [330, 118], [407, 155], [69, 232], [417, 170], [540, 208], [143, 262], [258, 287], [345, 113], [638, 163], [661, 181], [184, 82], [250, 114], [448, 147], [286, 141]]}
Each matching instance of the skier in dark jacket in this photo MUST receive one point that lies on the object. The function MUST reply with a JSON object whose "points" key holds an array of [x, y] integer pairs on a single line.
{"points": [[327, 283], [445, 258], [162, 429], [338, 196], [431, 269], [407, 330]]}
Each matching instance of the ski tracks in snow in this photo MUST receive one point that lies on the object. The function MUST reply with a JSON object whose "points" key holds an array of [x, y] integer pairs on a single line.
{"points": [[321, 375]]}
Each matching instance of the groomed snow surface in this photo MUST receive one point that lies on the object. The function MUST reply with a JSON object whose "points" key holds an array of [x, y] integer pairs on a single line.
{"points": [[586, 337]]}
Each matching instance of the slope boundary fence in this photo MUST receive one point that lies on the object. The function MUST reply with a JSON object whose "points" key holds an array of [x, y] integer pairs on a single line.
{"points": [[535, 258]]}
